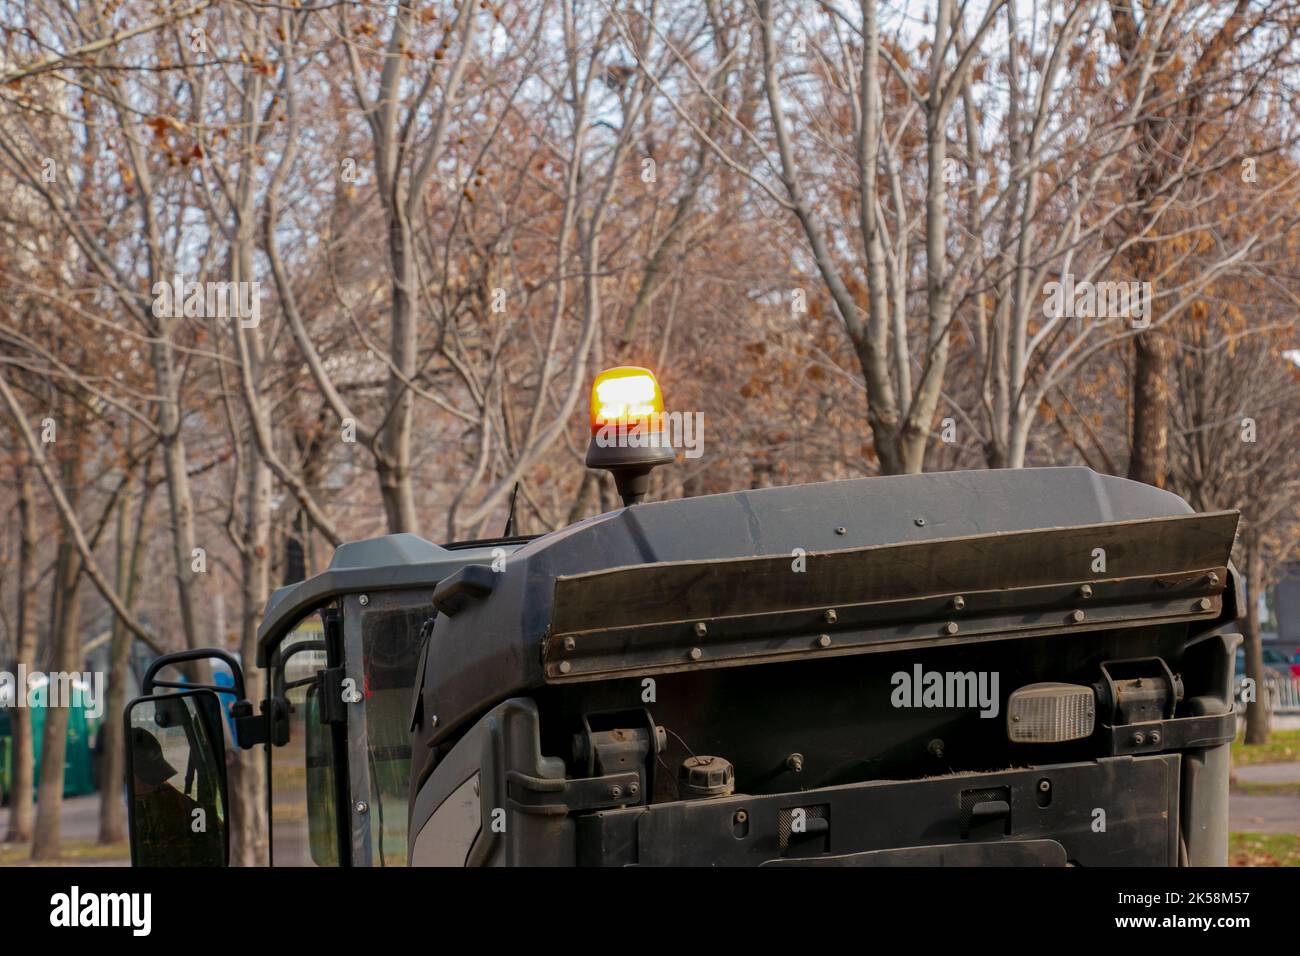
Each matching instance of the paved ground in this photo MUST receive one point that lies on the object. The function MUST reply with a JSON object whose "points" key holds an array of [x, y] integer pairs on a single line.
{"points": [[80, 818], [1264, 814], [80, 824], [1269, 773]]}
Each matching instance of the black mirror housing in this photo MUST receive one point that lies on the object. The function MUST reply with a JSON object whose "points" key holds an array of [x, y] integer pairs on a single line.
{"points": [[177, 806]]}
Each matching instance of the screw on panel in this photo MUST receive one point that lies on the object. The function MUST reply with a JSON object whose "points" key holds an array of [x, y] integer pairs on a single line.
{"points": [[696, 653], [1044, 785], [958, 602], [841, 530], [570, 643], [1212, 580], [824, 640], [565, 667], [935, 748], [701, 629], [795, 762], [363, 600], [1085, 592], [830, 616], [920, 522], [1155, 736], [1139, 739], [950, 628], [1077, 617], [362, 807], [615, 791], [1203, 604]]}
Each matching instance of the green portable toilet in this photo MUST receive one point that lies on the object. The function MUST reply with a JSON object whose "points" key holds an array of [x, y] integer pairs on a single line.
{"points": [[6, 761], [78, 776]]}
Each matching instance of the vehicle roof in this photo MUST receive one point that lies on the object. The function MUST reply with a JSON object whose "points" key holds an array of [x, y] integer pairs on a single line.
{"points": [[390, 562], [491, 648]]}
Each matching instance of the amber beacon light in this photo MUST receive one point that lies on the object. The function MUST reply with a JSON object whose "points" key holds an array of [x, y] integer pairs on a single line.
{"points": [[627, 436]]}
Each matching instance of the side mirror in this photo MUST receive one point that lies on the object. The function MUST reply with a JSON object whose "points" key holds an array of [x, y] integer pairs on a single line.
{"points": [[176, 780]]}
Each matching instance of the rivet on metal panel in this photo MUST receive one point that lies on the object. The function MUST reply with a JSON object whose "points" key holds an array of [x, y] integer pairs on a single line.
{"points": [[363, 600], [830, 616], [570, 643], [1085, 592], [824, 641], [565, 667], [958, 602], [696, 653], [1076, 616], [1203, 604], [950, 628], [701, 629]]}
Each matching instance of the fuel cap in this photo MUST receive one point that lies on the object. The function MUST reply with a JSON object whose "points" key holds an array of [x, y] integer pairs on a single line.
{"points": [[701, 777]]}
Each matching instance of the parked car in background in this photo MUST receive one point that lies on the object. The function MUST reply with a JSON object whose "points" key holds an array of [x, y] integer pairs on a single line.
{"points": [[1275, 659]]}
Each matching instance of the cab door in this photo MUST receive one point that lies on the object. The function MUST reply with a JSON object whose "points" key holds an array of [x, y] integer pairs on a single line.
{"points": [[383, 635], [307, 768]]}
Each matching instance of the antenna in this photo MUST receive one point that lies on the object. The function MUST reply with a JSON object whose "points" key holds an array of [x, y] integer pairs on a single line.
{"points": [[510, 519]]}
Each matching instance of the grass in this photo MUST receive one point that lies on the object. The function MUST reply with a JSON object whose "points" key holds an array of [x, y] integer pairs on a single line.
{"points": [[1263, 849], [74, 852], [1255, 789], [1283, 747]]}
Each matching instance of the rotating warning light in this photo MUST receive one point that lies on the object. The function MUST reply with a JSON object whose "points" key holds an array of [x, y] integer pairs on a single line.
{"points": [[626, 396], [628, 438]]}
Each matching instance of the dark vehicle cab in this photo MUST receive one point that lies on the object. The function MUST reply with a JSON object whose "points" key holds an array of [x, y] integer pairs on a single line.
{"points": [[1029, 667]]}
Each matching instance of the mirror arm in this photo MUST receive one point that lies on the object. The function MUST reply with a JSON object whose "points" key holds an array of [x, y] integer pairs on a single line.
{"points": [[198, 654]]}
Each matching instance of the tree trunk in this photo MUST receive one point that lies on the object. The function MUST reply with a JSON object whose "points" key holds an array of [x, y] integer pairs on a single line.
{"points": [[20, 797], [54, 743], [248, 778], [1257, 713], [248, 835], [112, 809], [179, 499], [1150, 441], [394, 464]]}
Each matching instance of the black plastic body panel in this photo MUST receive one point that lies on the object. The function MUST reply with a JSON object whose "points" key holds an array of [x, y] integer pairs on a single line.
{"points": [[1115, 812]]}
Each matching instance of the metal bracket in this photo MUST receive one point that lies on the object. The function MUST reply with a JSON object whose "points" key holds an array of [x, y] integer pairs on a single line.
{"points": [[1181, 733], [559, 797]]}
